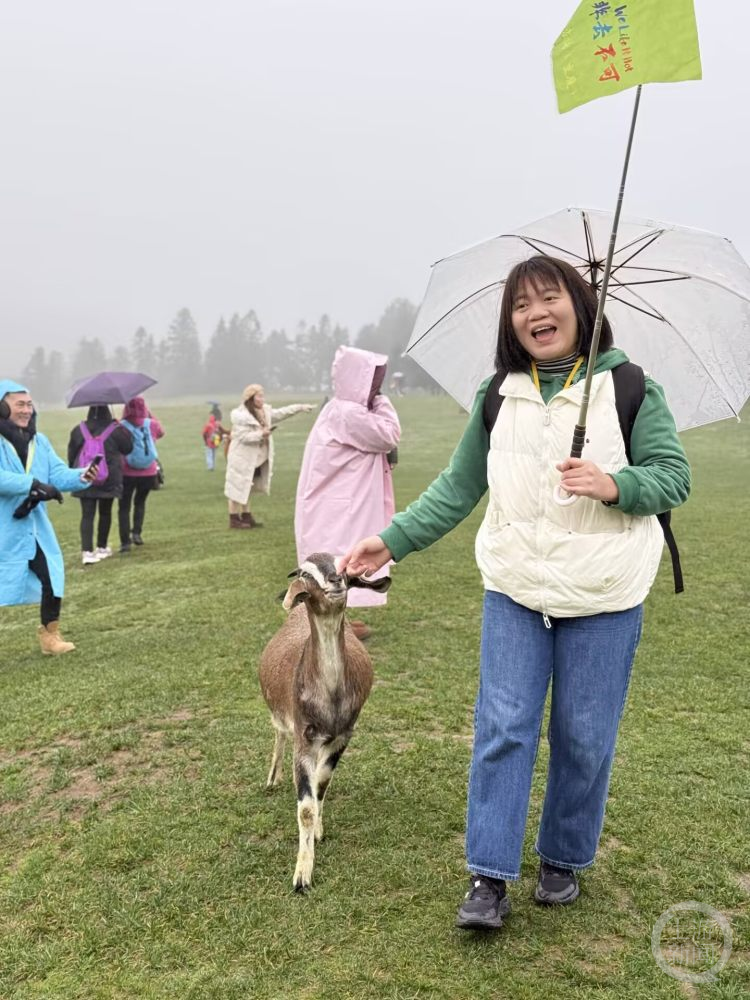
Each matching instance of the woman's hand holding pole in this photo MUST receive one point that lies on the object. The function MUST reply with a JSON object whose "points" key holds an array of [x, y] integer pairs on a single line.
{"points": [[585, 479]]}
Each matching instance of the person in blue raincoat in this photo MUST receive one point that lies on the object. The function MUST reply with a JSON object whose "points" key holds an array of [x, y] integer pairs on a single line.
{"points": [[31, 474]]}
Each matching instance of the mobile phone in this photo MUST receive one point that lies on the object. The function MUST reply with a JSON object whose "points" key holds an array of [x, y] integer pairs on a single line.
{"points": [[95, 462]]}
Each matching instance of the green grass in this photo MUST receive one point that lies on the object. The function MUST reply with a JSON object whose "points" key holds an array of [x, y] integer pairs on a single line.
{"points": [[140, 855]]}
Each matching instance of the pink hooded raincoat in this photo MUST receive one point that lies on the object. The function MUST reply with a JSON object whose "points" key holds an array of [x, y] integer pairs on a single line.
{"points": [[345, 488]]}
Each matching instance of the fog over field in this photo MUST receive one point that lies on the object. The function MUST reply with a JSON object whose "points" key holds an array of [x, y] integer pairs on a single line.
{"points": [[299, 159]]}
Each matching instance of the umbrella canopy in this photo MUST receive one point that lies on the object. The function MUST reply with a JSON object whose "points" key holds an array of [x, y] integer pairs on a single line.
{"points": [[678, 301], [107, 387]]}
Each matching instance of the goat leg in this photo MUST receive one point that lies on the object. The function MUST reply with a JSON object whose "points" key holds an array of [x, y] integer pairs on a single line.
{"points": [[326, 766], [307, 817], [276, 773]]}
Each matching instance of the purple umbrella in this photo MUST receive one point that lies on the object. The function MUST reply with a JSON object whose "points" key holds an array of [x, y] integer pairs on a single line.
{"points": [[107, 387]]}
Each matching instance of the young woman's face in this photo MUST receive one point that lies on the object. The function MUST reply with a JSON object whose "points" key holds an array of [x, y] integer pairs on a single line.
{"points": [[545, 322], [258, 400]]}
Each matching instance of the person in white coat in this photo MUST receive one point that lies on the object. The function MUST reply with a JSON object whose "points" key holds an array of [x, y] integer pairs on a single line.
{"points": [[250, 455]]}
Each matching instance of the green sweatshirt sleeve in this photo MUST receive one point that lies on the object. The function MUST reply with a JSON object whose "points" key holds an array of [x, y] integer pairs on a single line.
{"points": [[451, 497], [659, 477]]}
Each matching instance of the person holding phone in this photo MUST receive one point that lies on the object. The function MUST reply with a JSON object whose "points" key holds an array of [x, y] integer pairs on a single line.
{"points": [[250, 455], [115, 442], [31, 474]]}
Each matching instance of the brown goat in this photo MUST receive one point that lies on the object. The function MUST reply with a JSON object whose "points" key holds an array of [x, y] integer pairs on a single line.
{"points": [[315, 675]]}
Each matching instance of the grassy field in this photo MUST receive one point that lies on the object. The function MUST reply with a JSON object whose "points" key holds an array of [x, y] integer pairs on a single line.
{"points": [[140, 855]]}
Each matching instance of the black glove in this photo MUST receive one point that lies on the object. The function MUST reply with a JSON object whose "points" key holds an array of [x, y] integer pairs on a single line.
{"points": [[38, 493]]}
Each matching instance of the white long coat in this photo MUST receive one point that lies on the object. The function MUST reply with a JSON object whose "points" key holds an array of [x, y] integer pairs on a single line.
{"points": [[245, 449]]}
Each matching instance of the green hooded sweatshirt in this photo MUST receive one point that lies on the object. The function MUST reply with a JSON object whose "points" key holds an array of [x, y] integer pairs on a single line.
{"points": [[658, 479]]}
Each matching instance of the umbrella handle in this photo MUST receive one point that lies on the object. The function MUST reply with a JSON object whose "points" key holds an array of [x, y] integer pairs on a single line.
{"points": [[562, 497]]}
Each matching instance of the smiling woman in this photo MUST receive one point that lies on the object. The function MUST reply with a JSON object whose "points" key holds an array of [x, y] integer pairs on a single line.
{"points": [[547, 313], [564, 587], [31, 474]]}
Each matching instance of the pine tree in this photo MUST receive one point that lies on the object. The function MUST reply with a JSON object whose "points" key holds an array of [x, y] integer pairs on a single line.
{"points": [[34, 375], [56, 380], [120, 360], [390, 335], [143, 352], [220, 360], [183, 362], [88, 359], [281, 363]]}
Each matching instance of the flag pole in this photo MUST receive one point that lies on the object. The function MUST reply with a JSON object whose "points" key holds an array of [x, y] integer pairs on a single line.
{"points": [[579, 434]]}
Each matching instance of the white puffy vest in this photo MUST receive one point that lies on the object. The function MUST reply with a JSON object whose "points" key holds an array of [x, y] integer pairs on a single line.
{"points": [[561, 561]]}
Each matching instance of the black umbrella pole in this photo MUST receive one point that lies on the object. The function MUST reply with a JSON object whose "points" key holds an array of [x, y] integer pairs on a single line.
{"points": [[579, 434]]}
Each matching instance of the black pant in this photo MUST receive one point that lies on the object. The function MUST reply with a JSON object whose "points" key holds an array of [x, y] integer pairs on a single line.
{"points": [[135, 489], [88, 510], [50, 607]]}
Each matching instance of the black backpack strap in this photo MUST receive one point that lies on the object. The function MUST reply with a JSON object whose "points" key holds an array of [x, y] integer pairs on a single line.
{"points": [[630, 391], [493, 401], [665, 519]]}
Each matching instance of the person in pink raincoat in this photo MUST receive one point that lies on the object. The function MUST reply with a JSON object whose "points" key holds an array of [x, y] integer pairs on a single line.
{"points": [[345, 483]]}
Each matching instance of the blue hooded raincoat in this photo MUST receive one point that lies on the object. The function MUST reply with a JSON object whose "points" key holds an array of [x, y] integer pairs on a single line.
{"points": [[19, 538]]}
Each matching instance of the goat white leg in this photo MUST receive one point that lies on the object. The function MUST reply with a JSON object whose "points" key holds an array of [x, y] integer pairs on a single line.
{"points": [[307, 815], [276, 773], [325, 771]]}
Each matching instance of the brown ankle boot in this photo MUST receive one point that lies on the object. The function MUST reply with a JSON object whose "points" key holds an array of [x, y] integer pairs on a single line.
{"points": [[235, 521], [360, 629], [249, 520], [51, 641]]}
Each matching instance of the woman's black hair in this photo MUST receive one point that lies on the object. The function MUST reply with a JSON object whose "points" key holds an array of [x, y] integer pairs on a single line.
{"points": [[98, 414], [547, 272]]}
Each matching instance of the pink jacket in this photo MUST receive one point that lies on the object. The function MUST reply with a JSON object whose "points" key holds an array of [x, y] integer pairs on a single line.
{"points": [[345, 488]]}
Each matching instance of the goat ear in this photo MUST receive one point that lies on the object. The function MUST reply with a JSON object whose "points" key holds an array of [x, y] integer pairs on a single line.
{"points": [[380, 585], [295, 572], [297, 592]]}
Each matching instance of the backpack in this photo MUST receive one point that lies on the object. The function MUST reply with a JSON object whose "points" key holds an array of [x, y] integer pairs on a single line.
{"points": [[144, 450], [630, 389], [93, 445]]}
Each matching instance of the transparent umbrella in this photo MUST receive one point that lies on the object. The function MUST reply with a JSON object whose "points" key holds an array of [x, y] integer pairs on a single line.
{"points": [[678, 301]]}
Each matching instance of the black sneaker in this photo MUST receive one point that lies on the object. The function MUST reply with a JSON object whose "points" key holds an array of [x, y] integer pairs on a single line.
{"points": [[556, 886], [125, 547], [484, 905], [137, 540]]}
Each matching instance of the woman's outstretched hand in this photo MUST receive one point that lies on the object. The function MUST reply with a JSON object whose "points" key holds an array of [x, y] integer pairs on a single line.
{"points": [[585, 479], [366, 557]]}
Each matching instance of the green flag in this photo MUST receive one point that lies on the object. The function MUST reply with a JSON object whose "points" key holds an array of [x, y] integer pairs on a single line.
{"points": [[608, 46]]}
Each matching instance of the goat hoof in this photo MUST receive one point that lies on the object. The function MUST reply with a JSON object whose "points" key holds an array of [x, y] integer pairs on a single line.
{"points": [[301, 887]]}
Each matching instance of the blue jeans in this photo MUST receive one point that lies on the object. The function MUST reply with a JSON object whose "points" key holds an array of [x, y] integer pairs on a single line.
{"points": [[210, 458], [589, 660]]}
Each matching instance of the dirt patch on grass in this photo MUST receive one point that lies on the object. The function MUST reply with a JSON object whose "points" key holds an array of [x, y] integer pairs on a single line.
{"points": [[689, 990], [53, 781], [612, 845]]}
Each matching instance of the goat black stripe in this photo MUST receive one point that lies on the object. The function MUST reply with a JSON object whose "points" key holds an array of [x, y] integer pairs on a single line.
{"points": [[304, 788]]}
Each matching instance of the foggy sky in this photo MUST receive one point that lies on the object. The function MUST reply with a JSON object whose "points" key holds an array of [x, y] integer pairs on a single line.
{"points": [[307, 156]]}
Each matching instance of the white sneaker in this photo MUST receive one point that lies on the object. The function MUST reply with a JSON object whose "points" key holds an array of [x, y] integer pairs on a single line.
{"points": [[103, 553], [89, 558]]}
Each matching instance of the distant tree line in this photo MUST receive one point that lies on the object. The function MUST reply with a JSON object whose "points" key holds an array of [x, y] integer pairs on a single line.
{"points": [[238, 352]]}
